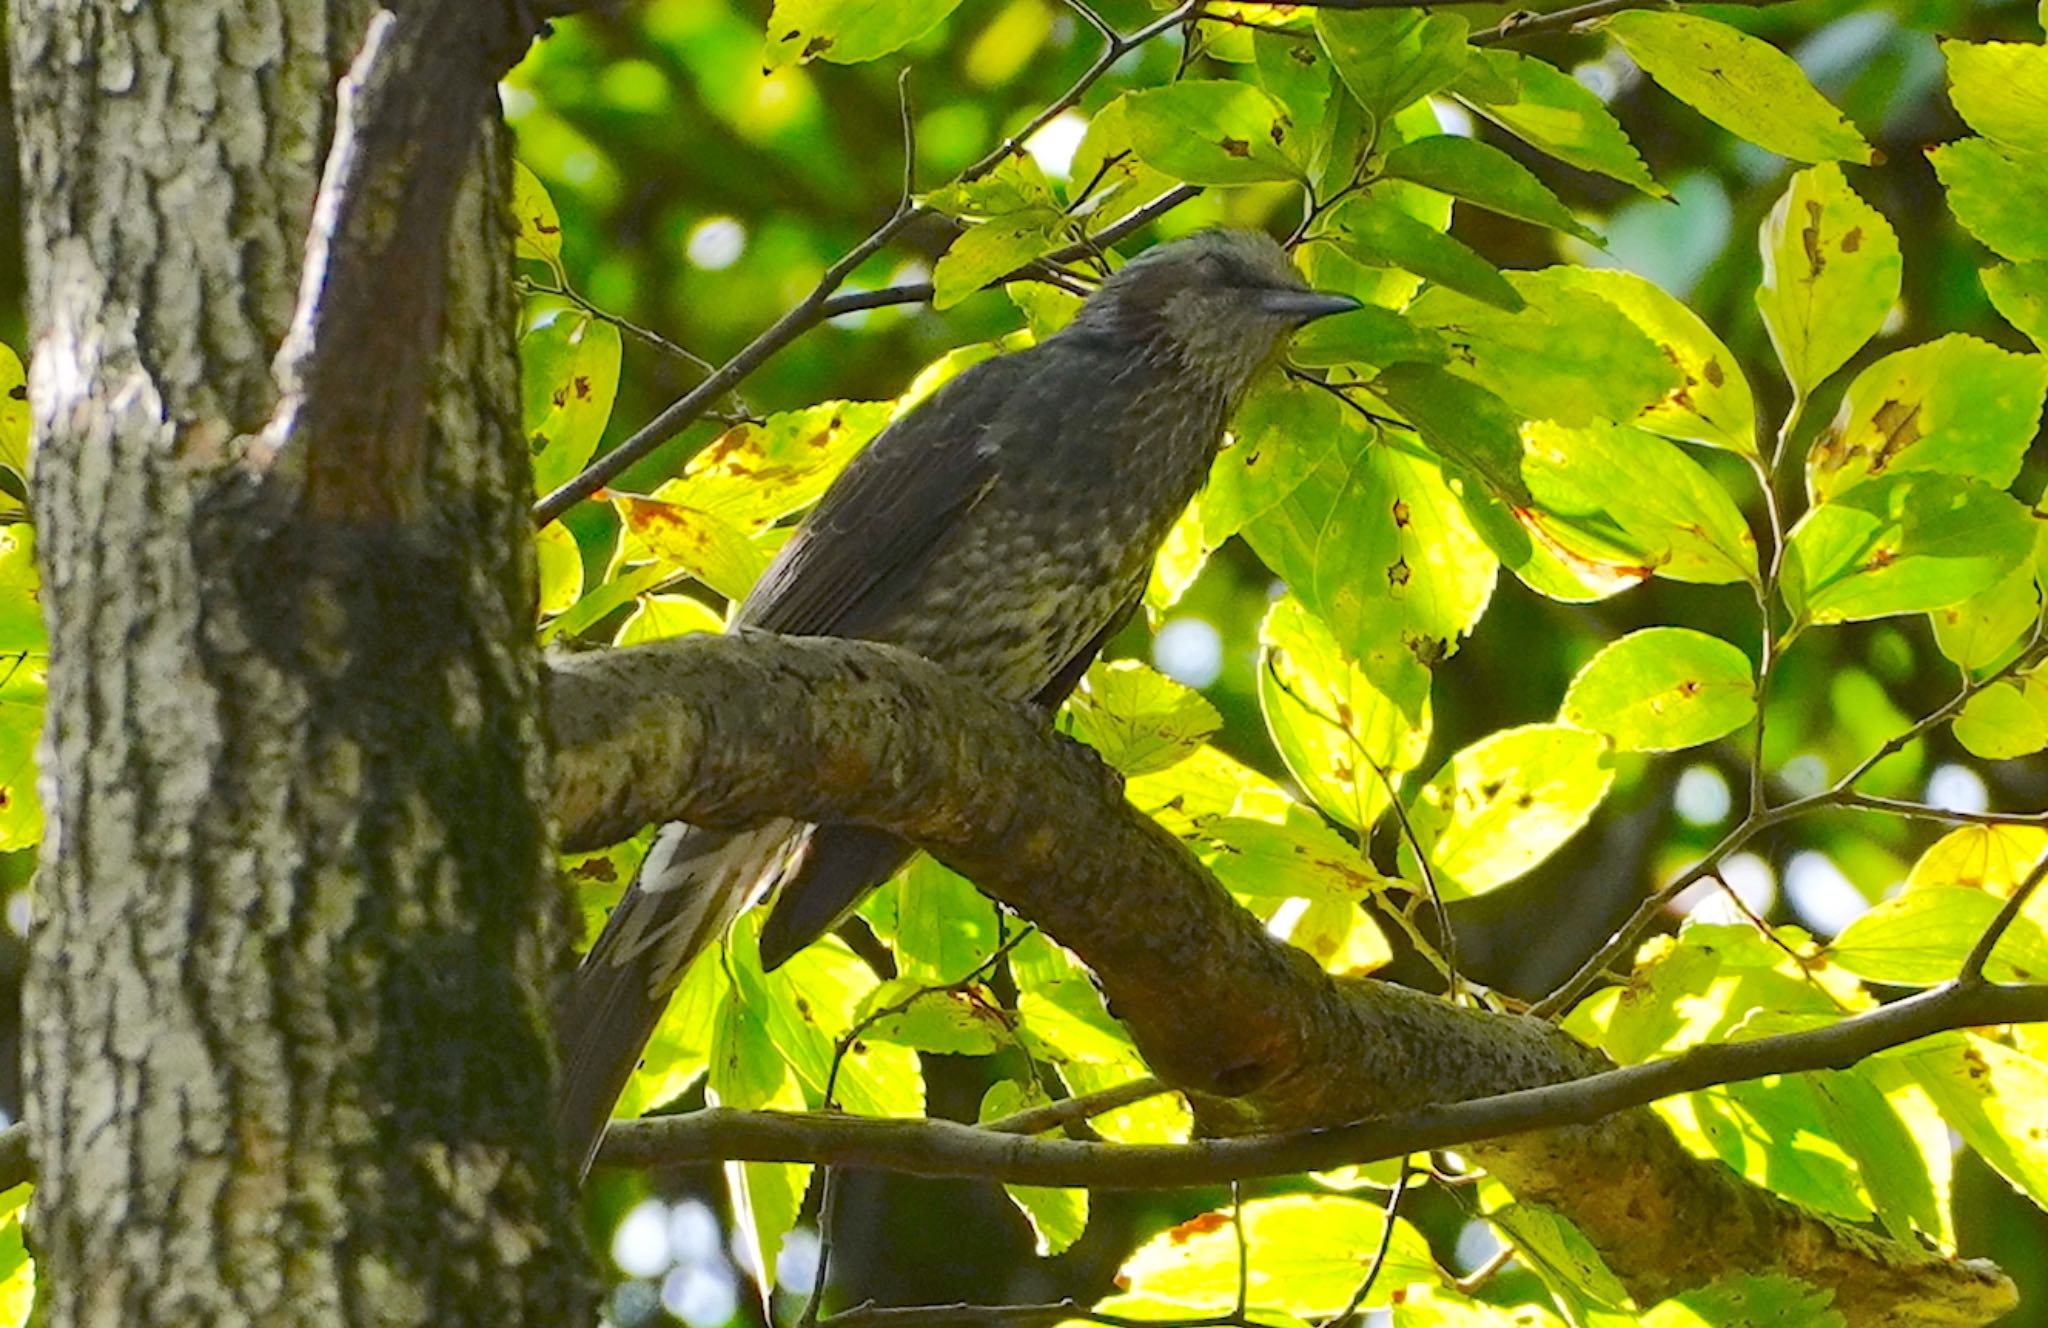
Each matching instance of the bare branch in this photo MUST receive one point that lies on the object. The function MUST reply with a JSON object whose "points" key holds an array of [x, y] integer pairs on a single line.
{"points": [[351, 416], [1980, 953]]}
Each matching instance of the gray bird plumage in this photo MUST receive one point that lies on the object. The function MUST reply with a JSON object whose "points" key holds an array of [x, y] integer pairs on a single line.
{"points": [[1002, 529]]}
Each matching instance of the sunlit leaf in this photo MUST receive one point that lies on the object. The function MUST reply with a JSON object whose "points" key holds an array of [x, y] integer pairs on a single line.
{"points": [[1920, 938], [1903, 544], [17, 1270], [568, 377], [1981, 857], [1443, 1307], [1205, 786], [2019, 291], [708, 547], [2001, 89], [1483, 175], [1139, 719], [847, 31], [1630, 502], [539, 227], [1982, 631], [1748, 1302], [950, 1023], [1712, 403], [1391, 58], [1553, 112], [755, 474], [1565, 355], [1504, 804], [1370, 229], [1347, 734], [24, 666], [1300, 858], [2007, 719], [940, 927], [1661, 689], [1212, 131], [1747, 86], [657, 617], [1375, 543], [1116, 178], [1304, 1254], [1337, 934], [1998, 193], [14, 420], [1297, 74], [1957, 405], [680, 1051], [1997, 1100], [1063, 1020], [992, 250], [1831, 275], [561, 567]]}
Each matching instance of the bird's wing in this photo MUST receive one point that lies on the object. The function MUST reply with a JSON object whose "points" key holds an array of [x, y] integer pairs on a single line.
{"points": [[862, 551]]}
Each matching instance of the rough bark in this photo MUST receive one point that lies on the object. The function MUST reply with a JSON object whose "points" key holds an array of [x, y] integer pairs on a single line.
{"points": [[286, 1028], [732, 732]]}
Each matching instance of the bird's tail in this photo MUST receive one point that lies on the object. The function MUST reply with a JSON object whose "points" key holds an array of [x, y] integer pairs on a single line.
{"points": [[691, 885]]}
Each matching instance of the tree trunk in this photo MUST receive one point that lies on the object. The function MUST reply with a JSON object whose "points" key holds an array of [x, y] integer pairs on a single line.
{"points": [[297, 924]]}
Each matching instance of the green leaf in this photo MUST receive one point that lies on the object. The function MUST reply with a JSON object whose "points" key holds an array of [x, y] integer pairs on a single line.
{"points": [[993, 250], [1207, 785], [1920, 938], [1983, 857], [1296, 73], [1017, 184], [1140, 720], [561, 567], [1057, 1216], [605, 598], [948, 1023], [24, 666], [847, 31], [1561, 356], [1372, 230], [1553, 112], [1179, 562], [708, 547], [568, 378], [1303, 1254], [1391, 58], [1301, 858], [1749, 1302], [746, 1070], [1661, 689], [1369, 336], [1902, 544], [1504, 804], [939, 925], [2019, 291], [1712, 404], [1281, 435], [658, 617], [1958, 406], [1747, 86], [538, 227], [1484, 176], [1375, 542], [1981, 631], [2007, 719], [1998, 193], [1443, 1307], [1628, 502], [1996, 1099], [14, 421], [2001, 89], [1346, 735], [1120, 181], [1831, 275], [1212, 131], [17, 1270], [1469, 427]]}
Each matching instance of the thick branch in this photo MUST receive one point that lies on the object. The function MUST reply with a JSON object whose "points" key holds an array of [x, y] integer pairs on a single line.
{"points": [[353, 372], [731, 731]]}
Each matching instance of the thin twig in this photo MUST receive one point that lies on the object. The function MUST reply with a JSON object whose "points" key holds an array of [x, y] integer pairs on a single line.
{"points": [[1973, 963], [1379, 1256], [647, 335]]}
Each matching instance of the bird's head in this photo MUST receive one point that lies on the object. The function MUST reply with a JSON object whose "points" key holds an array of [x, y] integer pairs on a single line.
{"points": [[1219, 301]]}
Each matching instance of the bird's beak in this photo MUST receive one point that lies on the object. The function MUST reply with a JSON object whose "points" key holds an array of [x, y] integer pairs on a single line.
{"points": [[1305, 305]]}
